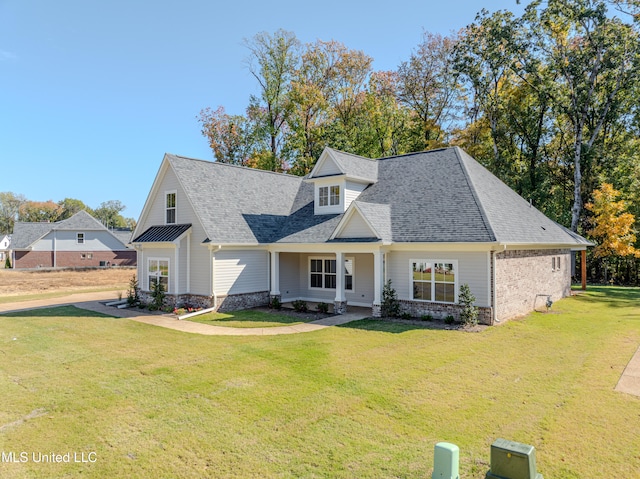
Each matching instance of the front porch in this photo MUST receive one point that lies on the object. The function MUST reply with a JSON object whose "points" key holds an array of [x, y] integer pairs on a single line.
{"points": [[314, 277]]}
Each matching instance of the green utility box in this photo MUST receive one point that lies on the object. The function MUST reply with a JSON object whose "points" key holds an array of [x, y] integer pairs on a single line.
{"points": [[512, 460], [446, 461]]}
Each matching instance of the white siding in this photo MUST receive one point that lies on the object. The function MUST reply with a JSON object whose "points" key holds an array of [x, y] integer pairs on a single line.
{"points": [[473, 269], [328, 168], [199, 265], [67, 241], [356, 228], [289, 276], [241, 271], [351, 192]]}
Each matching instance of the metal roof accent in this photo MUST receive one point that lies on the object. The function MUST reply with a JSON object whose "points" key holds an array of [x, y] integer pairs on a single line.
{"points": [[162, 234]]}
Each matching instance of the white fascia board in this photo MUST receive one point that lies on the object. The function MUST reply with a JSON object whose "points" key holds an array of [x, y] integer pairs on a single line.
{"points": [[532, 246], [327, 248], [446, 247], [158, 245]]}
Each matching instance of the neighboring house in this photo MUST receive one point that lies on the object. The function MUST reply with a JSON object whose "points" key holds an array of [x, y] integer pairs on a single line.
{"points": [[232, 237], [5, 241], [75, 242]]}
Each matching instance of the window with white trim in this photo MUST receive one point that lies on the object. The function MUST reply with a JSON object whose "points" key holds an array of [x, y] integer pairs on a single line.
{"points": [[170, 207], [434, 280], [80, 238], [158, 270], [322, 273], [329, 195]]}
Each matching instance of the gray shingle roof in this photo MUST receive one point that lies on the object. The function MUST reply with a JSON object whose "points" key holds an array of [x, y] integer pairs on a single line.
{"points": [[435, 196], [236, 204], [25, 233], [162, 234], [355, 166]]}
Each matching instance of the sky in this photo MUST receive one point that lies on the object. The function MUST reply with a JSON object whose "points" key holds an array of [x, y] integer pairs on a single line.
{"points": [[94, 92]]}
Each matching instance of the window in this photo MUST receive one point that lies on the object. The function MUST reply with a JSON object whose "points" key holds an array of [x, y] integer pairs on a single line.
{"points": [[80, 238], [434, 280], [329, 195], [555, 263], [171, 208], [159, 271], [323, 273]]}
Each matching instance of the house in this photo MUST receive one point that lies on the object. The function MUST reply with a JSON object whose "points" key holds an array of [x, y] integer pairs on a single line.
{"points": [[5, 241], [231, 237], [79, 241]]}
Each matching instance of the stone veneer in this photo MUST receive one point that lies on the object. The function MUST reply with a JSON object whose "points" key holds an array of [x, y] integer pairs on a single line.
{"points": [[233, 302], [524, 278]]}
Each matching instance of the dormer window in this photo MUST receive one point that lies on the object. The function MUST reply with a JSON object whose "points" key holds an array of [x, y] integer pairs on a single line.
{"points": [[329, 195], [170, 208]]}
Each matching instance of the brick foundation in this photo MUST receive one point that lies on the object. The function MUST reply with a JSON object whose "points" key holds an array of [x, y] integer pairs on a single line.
{"points": [[524, 278], [440, 310], [235, 302], [74, 259]]}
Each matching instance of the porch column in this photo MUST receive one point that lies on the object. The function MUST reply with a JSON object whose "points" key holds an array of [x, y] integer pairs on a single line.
{"points": [[377, 283], [275, 274], [340, 303], [583, 269]]}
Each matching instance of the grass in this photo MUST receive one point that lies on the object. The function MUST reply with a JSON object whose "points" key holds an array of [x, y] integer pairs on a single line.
{"points": [[57, 294], [246, 319], [368, 400]]}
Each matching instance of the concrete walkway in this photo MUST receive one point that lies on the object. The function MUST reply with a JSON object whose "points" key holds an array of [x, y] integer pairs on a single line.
{"points": [[630, 380], [95, 302]]}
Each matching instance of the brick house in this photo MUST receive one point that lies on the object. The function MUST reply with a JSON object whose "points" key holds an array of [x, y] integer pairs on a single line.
{"points": [[230, 237], [79, 241]]}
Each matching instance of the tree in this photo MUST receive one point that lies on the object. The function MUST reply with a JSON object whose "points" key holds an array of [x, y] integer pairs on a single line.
{"points": [[612, 226], [231, 137], [594, 59], [39, 211], [272, 61], [9, 208], [70, 207], [428, 84], [109, 214]]}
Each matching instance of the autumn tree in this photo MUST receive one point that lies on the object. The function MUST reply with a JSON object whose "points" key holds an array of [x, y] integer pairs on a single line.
{"points": [[231, 137], [39, 211], [612, 225]]}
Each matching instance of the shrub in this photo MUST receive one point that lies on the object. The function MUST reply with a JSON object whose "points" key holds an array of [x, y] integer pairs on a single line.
{"points": [[7, 263], [132, 293], [300, 306], [426, 317], [405, 316], [323, 308], [449, 319], [158, 294], [469, 313], [390, 306], [275, 303]]}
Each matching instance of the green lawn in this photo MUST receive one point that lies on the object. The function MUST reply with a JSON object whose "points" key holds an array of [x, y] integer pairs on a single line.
{"points": [[246, 319], [368, 400]]}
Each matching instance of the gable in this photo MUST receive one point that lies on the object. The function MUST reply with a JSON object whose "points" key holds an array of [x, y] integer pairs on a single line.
{"points": [[326, 167], [355, 226]]}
